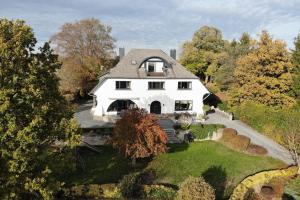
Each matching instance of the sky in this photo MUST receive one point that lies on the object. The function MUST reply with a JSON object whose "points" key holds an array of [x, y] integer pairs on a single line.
{"points": [[163, 24]]}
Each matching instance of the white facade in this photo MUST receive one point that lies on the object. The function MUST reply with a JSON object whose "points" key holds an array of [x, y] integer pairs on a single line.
{"points": [[143, 97], [148, 79]]}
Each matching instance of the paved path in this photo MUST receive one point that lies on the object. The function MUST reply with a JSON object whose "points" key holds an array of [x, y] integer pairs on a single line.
{"points": [[274, 149], [85, 119]]}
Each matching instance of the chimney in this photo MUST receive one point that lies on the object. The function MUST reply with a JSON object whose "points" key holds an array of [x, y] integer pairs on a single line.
{"points": [[121, 52], [173, 53]]}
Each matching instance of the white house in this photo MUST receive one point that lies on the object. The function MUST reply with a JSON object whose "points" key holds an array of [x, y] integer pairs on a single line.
{"points": [[149, 79]]}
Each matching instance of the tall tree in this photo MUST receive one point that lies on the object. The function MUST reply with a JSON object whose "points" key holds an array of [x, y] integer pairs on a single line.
{"points": [[200, 55], [264, 75], [224, 77], [86, 50], [138, 135], [33, 117], [296, 63]]}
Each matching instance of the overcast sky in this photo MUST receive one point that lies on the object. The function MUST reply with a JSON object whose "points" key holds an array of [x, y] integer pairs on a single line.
{"points": [[161, 24]]}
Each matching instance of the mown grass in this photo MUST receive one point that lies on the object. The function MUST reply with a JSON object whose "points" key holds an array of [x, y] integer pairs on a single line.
{"points": [[202, 131], [215, 162], [99, 168]]}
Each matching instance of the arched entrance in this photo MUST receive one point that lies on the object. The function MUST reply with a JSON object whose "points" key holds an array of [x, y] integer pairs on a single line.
{"points": [[119, 105], [155, 107]]}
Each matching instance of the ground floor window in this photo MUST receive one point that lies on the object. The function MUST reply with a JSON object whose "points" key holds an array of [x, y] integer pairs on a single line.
{"points": [[182, 105], [120, 105]]}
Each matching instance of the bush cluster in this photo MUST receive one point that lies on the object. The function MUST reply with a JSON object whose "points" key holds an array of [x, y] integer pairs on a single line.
{"points": [[131, 186], [256, 149], [158, 192], [240, 142], [235, 141], [195, 188]]}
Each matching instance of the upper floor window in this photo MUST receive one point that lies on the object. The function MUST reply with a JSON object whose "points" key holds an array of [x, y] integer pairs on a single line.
{"points": [[184, 85], [182, 105], [121, 85], [156, 85]]}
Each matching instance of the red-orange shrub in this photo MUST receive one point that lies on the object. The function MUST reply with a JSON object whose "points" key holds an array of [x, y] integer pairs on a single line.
{"points": [[138, 135]]}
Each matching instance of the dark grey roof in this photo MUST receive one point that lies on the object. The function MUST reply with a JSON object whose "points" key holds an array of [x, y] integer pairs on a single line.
{"points": [[126, 69]]}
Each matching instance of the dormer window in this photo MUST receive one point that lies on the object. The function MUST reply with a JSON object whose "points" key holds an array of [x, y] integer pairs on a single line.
{"points": [[155, 66], [151, 67]]}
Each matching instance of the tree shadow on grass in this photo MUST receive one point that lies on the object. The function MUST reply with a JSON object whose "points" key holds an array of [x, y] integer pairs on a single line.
{"points": [[173, 148], [100, 168], [216, 176]]}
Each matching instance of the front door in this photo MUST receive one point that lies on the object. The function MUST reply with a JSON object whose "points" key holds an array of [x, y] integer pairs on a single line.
{"points": [[155, 107]]}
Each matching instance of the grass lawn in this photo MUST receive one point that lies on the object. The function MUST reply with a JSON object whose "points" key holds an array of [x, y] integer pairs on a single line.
{"points": [[220, 166], [107, 167], [215, 162], [202, 131]]}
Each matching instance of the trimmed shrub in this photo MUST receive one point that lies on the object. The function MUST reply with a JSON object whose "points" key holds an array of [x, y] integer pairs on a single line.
{"points": [[229, 131], [240, 142], [130, 186], [195, 188], [235, 141], [256, 149], [228, 134], [158, 192], [261, 178], [277, 185]]}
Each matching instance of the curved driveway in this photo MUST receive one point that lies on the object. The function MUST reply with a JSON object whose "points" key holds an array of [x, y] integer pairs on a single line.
{"points": [[274, 149]]}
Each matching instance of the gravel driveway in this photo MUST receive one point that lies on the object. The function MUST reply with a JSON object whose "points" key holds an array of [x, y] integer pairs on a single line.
{"points": [[274, 149]]}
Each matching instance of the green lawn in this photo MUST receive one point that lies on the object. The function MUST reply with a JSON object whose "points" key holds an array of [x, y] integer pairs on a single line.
{"points": [[107, 167], [219, 165], [202, 131]]}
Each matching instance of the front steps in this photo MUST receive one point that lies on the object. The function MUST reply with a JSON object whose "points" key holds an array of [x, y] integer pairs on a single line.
{"points": [[172, 138]]}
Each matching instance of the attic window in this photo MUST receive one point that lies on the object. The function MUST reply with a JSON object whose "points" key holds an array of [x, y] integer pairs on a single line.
{"points": [[133, 62]]}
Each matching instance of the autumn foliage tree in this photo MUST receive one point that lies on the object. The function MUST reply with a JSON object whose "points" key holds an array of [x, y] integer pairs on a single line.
{"points": [[86, 51], [138, 135], [264, 74]]}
